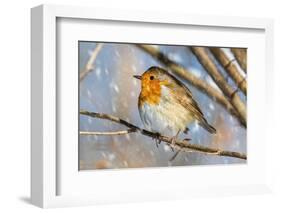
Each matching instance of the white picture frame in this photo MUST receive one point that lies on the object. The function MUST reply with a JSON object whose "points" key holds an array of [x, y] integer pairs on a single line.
{"points": [[45, 168]]}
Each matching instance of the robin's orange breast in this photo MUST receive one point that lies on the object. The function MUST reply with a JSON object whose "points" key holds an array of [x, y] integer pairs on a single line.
{"points": [[150, 93]]}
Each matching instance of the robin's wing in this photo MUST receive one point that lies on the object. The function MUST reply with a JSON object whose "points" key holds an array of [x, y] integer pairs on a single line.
{"points": [[183, 96]]}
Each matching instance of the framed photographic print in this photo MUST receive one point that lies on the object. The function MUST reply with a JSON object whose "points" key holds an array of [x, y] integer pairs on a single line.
{"points": [[147, 106]]}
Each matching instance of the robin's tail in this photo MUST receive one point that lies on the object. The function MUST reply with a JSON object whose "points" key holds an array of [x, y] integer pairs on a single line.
{"points": [[207, 126]]}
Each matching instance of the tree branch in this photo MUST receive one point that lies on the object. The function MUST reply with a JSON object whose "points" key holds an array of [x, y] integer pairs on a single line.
{"points": [[122, 132], [89, 66], [230, 68], [241, 56], [179, 145], [186, 75], [210, 67]]}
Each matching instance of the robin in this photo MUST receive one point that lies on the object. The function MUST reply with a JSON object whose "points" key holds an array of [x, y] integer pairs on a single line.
{"points": [[167, 105]]}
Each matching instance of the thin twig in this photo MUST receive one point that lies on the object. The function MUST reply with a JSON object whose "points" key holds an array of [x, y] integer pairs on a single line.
{"points": [[90, 64], [210, 67], [230, 68], [188, 76], [123, 132], [241, 56], [179, 145], [174, 156]]}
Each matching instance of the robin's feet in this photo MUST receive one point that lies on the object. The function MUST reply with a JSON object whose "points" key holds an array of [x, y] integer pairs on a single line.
{"points": [[174, 156], [173, 142], [186, 131], [157, 139], [187, 140]]}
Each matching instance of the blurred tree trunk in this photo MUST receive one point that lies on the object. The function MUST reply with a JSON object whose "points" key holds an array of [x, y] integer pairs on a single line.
{"points": [[230, 68], [241, 56], [203, 57]]}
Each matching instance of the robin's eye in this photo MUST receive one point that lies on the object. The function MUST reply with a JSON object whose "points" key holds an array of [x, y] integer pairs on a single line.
{"points": [[151, 77]]}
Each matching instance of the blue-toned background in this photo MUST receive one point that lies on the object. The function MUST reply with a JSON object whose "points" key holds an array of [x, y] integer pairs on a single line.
{"points": [[110, 88]]}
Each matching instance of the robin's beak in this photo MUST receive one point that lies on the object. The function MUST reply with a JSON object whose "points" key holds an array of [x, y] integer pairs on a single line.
{"points": [[137, 77]]}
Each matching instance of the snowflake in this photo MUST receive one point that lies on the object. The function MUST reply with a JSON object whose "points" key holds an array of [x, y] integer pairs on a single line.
{"points": [[114, 86], [175, 57], [89, 120], [117, 53], [134, 68], [90, 52], [98, 72], [195, 128], [113, 108], [106, 71], [167, 148], [89, 94], [211, 106], [135, 82]]}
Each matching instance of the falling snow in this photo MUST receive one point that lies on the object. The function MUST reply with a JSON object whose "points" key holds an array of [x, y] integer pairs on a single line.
{"points": [[108, 90], [134, 68], [176, 57], [135, 82], [106, 71], [113, 108], [89, 94], [195, 127], [114, 86], [98, 72], [167, 148], [211, 106]]}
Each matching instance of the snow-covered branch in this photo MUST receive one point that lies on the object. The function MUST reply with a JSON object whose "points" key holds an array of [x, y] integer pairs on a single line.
{"points": [[121, 132], [181, 145]]}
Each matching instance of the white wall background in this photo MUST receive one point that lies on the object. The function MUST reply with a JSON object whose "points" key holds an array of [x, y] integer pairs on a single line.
{"points": [[15, 99]]}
